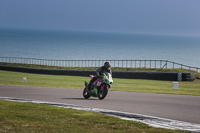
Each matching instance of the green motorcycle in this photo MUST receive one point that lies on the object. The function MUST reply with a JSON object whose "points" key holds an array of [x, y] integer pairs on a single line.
{"points": [[99, 88]]}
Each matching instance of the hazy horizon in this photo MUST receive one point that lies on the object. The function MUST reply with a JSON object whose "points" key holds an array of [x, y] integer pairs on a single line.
{"points": [[171, 17]]}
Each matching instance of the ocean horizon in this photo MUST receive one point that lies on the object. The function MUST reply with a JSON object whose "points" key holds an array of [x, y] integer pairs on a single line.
{"points": [[79, 45]]}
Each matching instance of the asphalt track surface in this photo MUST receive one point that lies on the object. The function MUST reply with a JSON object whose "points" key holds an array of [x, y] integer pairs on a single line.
{"points": [[177, 107]]}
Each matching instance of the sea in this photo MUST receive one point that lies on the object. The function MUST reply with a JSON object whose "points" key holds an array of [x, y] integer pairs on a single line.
{"points": [[79, 45]]}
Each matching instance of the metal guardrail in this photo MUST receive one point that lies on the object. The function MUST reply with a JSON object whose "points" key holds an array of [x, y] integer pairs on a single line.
{"points": [[97, 63]]}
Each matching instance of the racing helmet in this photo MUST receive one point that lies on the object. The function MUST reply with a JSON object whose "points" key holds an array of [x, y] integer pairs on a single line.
{"points": [[107, 65]]}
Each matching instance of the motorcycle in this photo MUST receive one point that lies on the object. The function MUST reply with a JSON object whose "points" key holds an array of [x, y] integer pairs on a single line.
{"points": [[99, 88]]}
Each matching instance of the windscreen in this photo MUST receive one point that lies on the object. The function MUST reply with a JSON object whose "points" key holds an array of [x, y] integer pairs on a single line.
{"points": [[109, 76]]}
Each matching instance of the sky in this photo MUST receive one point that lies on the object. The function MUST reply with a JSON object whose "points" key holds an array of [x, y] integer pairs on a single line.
{"points": [[180, 17]]}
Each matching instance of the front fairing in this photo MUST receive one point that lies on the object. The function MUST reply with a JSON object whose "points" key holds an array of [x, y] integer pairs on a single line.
{"points": [[107, 78]]}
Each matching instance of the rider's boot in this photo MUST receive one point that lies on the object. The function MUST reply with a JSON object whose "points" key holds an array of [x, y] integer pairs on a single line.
{"points": [[88, 87], [90, 84]]}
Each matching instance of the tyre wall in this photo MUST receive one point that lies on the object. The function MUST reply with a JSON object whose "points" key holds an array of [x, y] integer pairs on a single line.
{"points": [[168, 76]]}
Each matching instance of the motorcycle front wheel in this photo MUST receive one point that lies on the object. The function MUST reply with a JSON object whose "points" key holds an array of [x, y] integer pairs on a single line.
{"points": [[85, 94], [102, 94]]}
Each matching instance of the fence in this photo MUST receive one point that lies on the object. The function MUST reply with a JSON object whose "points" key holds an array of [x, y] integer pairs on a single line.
{"points": [[97, 63]]}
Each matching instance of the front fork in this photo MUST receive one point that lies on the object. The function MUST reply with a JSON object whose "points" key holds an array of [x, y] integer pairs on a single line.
{"points": [[102, 87]]}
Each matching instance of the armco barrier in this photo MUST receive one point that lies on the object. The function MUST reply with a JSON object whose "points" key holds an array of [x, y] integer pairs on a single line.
{"points": [[168, 76]]}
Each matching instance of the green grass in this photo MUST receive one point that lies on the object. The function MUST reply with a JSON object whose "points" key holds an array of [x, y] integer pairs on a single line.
{"points": [[25, 117], [16, 117], [76, 82]]}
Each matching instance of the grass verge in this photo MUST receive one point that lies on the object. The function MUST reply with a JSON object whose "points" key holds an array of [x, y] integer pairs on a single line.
{"points": [[26, 117], [196, 74], [77, 82]]}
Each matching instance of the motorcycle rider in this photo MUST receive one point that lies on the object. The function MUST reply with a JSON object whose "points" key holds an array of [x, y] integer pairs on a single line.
{"points": [[99, 73]]}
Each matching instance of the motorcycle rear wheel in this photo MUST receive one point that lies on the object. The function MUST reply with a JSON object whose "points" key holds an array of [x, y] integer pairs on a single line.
{"points": [[85, 94], [102, 94]]}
